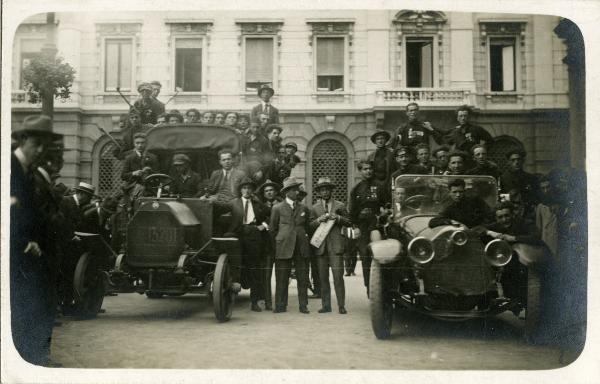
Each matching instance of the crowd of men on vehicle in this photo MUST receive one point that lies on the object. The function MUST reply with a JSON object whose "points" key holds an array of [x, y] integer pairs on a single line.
{"points": [[268, 213]]}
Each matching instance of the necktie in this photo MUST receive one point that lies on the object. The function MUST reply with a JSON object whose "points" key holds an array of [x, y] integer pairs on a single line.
{"points": [[246, 212]]}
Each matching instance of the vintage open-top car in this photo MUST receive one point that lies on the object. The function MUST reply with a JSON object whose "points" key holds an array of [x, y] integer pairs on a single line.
{"points": [[171, 247], [447, 271]]}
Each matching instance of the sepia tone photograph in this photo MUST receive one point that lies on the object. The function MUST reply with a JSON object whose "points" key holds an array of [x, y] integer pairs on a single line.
{"points": [[331, 190]]}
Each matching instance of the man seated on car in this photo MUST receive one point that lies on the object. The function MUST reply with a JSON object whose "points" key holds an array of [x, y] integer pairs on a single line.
{"points": [[470, 211], [186, 183]]}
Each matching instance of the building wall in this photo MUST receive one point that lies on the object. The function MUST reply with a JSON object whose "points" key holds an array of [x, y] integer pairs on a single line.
{"points": [[535, 114]]}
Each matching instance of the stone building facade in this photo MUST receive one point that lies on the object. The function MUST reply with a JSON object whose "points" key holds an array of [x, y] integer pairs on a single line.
{"points": [[338, 76]]}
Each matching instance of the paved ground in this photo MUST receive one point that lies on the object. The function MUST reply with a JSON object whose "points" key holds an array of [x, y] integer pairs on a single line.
{"points": [[181, 332]]}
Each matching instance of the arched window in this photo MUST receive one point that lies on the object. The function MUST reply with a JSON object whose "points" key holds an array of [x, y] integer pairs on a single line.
{"points": [[106, 170], [500, 147]]}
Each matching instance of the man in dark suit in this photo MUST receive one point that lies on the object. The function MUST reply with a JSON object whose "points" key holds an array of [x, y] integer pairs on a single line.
{"points": [[383, 159], [482, 165], [139, 163], [465, 135], [248, 223], [32, 305], [254, 145], [186, 183], [289, 227], [147, 106], [267, 192], [469, 211], [265, 92], [415, 131], [516, 178], [330, 252], [223, 184]]}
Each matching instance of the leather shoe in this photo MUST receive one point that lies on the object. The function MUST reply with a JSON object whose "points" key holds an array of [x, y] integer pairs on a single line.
{"points": [[347, 274], [304, 310], [315, 296], [279, 310], [343, 311], [325, 310], [268, 307], [255, 307]]}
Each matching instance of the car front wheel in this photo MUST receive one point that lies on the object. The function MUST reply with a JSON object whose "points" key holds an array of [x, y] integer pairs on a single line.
{"points": [[380, 304]]}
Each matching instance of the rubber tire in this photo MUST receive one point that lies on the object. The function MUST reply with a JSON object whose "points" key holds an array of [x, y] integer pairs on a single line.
{"points": [[532, 311], [380, 306], [223, 297], [88, 288], [154, 295]]}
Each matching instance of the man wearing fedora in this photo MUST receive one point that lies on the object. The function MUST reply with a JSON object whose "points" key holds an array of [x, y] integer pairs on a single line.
{"points": [[248, 223], [289, 227], [268, 193], [383, 159], [265, 92], [330, 253], [32, 305], [367, 200], [72, 208], [186, 183]]}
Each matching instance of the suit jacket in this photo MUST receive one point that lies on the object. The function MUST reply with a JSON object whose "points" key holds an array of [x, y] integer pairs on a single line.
{"points": [[217, 176], [258, 109], [383, 166], [73, 215], [466, 136], [290, 230], [133, 162], [334, 243], [236, 207], [50, 221]]}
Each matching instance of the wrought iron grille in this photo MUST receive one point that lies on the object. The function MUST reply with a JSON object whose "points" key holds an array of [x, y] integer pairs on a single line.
{"points": [[500, 147], [330, 159], [109, 177]]}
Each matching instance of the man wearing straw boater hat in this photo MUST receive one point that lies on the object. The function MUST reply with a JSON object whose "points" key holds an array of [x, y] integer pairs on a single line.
{"points": [[289, 227], [72, 208], [32, 305], [327, 218], [265, 92]]}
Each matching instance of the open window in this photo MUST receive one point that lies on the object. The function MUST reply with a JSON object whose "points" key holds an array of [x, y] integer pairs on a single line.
{"points": [[188, 64], [502, 64], [419, 62]]}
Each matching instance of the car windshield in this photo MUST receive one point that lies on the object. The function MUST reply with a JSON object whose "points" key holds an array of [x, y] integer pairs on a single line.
{"points": [[429, 194]]}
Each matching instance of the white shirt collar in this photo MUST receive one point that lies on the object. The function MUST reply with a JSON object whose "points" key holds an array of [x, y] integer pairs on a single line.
{"points": [[45, 174], [21, 157], [290, 202], [264, 103]]}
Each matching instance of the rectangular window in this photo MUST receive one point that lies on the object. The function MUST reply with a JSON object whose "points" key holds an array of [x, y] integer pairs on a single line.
{"points": [[188, 64], [419, 62], [30, 48], [330, 64], [502, 64], [118, 64], [259, 62]]}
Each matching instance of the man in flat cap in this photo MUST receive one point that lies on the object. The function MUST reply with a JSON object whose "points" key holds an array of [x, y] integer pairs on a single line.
{"points": [[265, 92], [330, 252], [186, 183], [289, 227], [148, 107], [291, 158], [32, 305]]}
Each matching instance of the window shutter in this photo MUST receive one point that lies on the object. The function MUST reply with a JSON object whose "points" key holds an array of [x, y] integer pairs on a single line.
{"points": [[125, 67], [508, 68], [330, 56], [259, 60], [111, 69]]}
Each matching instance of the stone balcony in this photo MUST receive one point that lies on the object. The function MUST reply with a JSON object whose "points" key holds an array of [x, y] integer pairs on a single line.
{"points": [[425, 97]]}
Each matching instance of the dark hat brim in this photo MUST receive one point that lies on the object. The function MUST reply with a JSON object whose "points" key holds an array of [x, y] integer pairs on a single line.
{"points": [[271, 90], [283, 189], [328, 185], [269, 184], [385, 133]]}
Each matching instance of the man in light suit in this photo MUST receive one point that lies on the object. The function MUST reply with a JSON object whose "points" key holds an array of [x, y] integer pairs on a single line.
{"points": [[223, 184], [331, 251], [289, 226], [265, 92]]}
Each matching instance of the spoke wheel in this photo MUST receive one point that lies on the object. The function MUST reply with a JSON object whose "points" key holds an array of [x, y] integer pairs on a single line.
{"points": [[380, 305], [88, 285], [223, 296]]}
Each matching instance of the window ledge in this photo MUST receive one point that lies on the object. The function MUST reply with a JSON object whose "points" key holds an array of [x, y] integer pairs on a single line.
{"points": [[331, 93], [504, 93]]}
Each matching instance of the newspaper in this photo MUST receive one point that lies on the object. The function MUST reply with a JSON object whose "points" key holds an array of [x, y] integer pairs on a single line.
{"points": [[321, 233]]}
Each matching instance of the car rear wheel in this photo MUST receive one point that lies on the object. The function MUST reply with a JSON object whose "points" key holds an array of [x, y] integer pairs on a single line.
{"points": [[380, 304], [88, 286], [223, 296], [532, 310]]}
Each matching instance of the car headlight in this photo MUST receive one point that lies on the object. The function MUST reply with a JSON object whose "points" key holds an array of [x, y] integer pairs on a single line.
{"points": [[420, 250], [498, 253], [459, 238]]}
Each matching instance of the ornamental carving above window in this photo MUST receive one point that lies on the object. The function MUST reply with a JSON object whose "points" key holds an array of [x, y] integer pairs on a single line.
{"points": [[409, 21], [333, 28]]}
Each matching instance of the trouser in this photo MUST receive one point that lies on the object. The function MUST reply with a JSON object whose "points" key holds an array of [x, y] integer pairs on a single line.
{"points": [[365, 258], [335, 262], [32, 309], [269, 261], [283, 267], [350, 256], [315, 273], [251, 243]]}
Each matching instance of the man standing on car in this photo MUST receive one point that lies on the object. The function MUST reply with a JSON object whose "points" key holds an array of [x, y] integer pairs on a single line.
{"points": [[265, 92], [367, 200], [469, 211], [248, 222], [382, 159], [415, 131], [465, 134], [268, 193], [330, 253], [289, 226]]}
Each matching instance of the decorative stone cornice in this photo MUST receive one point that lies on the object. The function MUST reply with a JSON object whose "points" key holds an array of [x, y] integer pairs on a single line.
{"points": [[502, 28], [331, 28]]}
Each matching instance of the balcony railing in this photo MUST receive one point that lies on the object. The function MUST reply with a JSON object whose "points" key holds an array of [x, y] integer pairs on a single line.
{"points": [[423, 96]]}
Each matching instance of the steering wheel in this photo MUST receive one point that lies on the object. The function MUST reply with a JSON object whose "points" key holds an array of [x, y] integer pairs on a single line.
{"points": [[157, 181], [415, 202]]}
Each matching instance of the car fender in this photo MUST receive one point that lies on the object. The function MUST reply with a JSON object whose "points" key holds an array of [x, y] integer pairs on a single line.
{"points": [[386, 251]]}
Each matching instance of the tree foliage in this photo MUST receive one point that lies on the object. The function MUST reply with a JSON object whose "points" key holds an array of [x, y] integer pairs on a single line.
{"points": [[47, 72]]}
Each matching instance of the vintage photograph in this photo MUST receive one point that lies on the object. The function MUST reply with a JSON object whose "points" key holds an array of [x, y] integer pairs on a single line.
{"points": [[307, 189]]}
